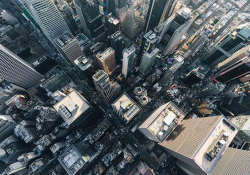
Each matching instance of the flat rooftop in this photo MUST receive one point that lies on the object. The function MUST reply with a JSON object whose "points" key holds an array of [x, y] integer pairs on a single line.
{"points": [[164, 120], [83, 63], [62, 40], [72, 107], [126, 107], [244, 32]]}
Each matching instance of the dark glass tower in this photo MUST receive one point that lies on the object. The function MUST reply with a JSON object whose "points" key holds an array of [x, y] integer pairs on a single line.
{"points": [[69, 19], [155, 14], [91, 20], [119, 43]]}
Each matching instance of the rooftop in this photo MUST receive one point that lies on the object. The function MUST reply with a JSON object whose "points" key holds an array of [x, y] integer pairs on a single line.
{"points": [[244, 32], [72, 107], [62, 40], [163, 121], [75, 157], [233, 161], [105, 54], [83, 63], [126, 107], [203, 139]]}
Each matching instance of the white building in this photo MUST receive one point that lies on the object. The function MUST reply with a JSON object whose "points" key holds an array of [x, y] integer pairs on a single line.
{"points": [[128, 61], [148, 61], [160, 124], [69, 46], [125, 107], [174, 28], [73, 108], [47, 16], [199, 143]]}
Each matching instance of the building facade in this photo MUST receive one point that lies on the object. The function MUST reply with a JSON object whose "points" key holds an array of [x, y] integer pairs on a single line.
{"points": [[17, 71]]}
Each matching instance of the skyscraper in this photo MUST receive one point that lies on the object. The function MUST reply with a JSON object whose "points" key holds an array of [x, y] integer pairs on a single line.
{"points": [[134, 21], [148, 61], [69, 19], [155, 13], [228, 45], [74, 108], [174, 28], [120, 9], [233, 161], [171, 7], [91, 20], [47, 16], [199, 143], [162, 122], [106, 60], [235, 67], [17, 71], [108, 90], [68, 46], [112, 24], [119, 42], [128, 61], [149, 43]]}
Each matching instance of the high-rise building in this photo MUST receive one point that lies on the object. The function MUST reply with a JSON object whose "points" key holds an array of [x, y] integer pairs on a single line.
{"points": [[91, 20], [85, 43], [174, 28], [195, 3], [199, 143], [162, 122], [235, 67], [233, 161], [228, 45], [15, 168], [112, 24], [69, 19], [108, 90], [155, 13], [68, 46], [17, 71], [148, 43], [196, 43], [128, 61], [119, 42], [106, 60], [148, 61], [74, 108], [47, 16], [125, 107], [133, 23], [170, 7]]}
